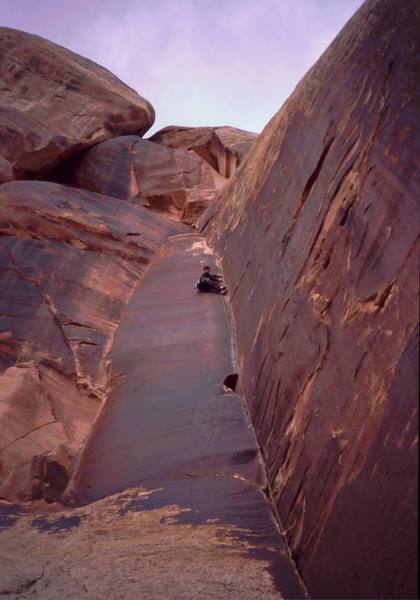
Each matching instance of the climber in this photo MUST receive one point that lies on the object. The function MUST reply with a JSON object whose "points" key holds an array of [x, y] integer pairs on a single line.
{"points": [[209, 282]]}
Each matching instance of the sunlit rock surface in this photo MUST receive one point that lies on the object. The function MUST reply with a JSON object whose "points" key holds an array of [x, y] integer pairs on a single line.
{"points": [[144, 543], [161, 178], [69, 262], [224, 148], [53, 103], [318, 236]]}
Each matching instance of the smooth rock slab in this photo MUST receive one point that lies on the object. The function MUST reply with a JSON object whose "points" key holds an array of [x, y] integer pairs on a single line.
{"points": [[170, 425], [168, 415]]}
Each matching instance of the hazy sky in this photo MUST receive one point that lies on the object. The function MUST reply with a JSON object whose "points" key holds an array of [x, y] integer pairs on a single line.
{"points": [[199, 62]]}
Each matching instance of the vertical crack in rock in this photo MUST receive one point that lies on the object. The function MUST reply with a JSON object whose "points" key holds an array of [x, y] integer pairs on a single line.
{"points": [[47, 302], [310, 183]]}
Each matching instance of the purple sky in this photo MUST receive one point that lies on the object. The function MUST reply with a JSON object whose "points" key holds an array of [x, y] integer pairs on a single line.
{"points": [[199, 62]]}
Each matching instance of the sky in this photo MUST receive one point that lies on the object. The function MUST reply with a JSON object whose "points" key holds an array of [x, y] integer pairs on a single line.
{"points": [[199, 62]]}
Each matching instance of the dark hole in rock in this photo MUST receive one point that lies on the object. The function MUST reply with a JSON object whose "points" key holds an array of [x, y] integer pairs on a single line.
{"points": [[56, 476], [231, 381], [346, 214]]}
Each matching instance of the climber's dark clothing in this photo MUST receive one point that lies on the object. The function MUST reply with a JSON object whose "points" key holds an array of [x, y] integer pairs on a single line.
{"points": [[212, 276], [208, 282]]}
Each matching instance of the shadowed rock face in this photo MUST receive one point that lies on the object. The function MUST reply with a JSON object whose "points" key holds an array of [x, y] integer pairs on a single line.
{"points": [[318, 234], [224, 148], [69, 262], [163, 179], [53, 103]]}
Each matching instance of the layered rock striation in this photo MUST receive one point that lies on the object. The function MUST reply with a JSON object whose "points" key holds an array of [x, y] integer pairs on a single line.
{"points": [[318, 233], [70, 260], [54, 103]]}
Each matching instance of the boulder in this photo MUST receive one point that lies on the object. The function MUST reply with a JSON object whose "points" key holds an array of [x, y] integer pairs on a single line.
{"points": [[69, 260], [54, 103], [224, 148], [131, 168], [319, 239]]}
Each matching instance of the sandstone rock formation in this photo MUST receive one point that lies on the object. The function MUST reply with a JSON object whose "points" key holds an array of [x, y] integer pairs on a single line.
{"points": [[110, 380], [224, 148], [53, 103], [319, 240], [175, 457], [161, 178], [69, 262]]}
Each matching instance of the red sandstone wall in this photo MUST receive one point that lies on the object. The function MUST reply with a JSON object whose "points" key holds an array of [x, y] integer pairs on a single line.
{"points": [[319, 238]]}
